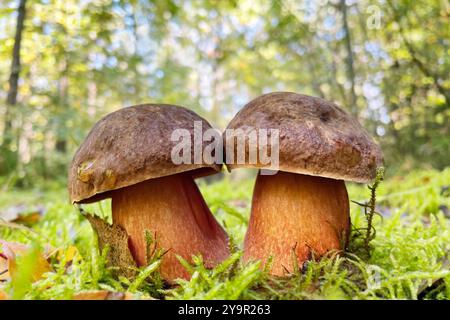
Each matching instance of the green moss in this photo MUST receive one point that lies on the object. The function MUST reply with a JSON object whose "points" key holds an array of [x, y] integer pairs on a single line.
{"points": [[410, 253]]}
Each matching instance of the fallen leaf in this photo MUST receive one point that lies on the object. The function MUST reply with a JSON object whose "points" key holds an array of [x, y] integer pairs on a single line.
{"points": [[3, 295], [4, 274], [29, 219], [8, 258], [103, 295], [22, 214], [67, 254], [116, 238]]}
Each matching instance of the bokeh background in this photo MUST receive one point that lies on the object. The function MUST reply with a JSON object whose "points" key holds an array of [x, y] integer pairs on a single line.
{"points": [[65, 64]]}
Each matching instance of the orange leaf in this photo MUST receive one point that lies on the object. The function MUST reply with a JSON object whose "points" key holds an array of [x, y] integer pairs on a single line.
{"points": [[22, 215], [28, 219], [3, 295], [8, 257]]}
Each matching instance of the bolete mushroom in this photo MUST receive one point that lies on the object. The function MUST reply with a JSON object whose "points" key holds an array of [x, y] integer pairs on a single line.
{"points": [[127, 157], [303, 209]]}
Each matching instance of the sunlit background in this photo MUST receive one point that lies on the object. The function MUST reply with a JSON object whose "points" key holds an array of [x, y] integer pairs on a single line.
{"points": [[386, 62]]}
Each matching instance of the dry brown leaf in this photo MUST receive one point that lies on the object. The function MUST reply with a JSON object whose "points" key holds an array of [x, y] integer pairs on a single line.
{"points": [[103, 295], [21, 214], [29, 219], [8, 257], [119, 255]]}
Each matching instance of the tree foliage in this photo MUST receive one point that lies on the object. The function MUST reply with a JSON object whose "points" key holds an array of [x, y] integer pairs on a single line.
{"points": [[387, 62]]}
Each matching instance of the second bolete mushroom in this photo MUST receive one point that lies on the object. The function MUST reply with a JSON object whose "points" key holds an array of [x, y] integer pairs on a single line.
{"points": [[127, 157], [303, 210]]}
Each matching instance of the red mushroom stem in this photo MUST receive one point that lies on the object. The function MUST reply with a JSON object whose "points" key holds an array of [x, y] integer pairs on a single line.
{"points": [[173, 210], [296, 216]]}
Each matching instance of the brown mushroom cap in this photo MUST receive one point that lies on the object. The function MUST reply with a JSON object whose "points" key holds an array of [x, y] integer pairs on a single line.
{"points": [[316, 137], [129, 146]]}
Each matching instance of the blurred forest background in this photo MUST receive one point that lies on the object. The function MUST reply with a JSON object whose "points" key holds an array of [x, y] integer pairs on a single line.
{"points": [[65, 64]]}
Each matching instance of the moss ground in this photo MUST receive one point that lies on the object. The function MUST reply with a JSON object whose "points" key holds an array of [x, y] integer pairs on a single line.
{"points": [[409, 260]]}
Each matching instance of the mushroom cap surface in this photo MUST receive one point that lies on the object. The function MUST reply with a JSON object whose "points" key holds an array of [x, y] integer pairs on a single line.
{"points": [[316, 137], [132, 145]]}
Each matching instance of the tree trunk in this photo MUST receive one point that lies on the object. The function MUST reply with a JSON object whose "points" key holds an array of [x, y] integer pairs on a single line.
{"points": [[63, 87], [137, 83], [349, 59], [8, 158], [11, 99]]}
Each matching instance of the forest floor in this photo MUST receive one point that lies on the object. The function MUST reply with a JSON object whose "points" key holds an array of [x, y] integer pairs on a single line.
{"points": [[409, 258]]}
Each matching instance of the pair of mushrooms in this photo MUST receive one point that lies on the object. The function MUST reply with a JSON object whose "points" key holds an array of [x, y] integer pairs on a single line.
{"points": [[302, 210]]}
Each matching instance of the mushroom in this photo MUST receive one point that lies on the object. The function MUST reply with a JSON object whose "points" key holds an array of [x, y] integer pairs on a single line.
{"points": [[127, 157], [302, 211]]}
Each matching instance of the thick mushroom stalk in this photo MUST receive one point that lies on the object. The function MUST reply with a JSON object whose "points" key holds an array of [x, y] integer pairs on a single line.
{"points": [[172, 209], [295, 217]]}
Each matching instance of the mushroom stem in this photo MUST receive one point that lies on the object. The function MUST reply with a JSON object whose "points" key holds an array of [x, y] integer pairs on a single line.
{"points": [[295, 217], [173, 210]]}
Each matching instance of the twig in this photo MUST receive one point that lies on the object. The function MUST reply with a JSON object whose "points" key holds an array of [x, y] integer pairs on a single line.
{"points": [[371, 232]]}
